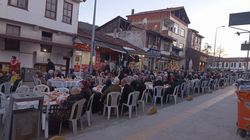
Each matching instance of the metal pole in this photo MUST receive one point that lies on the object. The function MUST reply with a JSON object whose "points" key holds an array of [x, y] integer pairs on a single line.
{"points": [[248, 61], [214, 47], [92, 40]]}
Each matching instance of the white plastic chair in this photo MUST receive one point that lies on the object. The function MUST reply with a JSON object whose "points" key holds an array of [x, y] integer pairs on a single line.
{"points": [[38, 82], [196, 85], [41, 88], [183, 88], [62, 90], [158, 94], [115, 96], [142, 100], [79, 105], [204, 86], [45, 117], [7, 87], [208, 88], [20, 83], [35, 81], [89, 108], [218, 83], [23, 89], [215, 84], [2, 107], [175, 94], [134, 95], [148, 94], [79, 78]]}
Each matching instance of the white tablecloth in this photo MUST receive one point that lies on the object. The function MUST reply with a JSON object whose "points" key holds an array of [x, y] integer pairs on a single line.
{"points": [[97, 91], [62, 84], [151, 86]]}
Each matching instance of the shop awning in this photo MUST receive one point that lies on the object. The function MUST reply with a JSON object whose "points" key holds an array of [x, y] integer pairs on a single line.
{"points": [[88, 41], [172, 56], [38, 41], [116, 48]]}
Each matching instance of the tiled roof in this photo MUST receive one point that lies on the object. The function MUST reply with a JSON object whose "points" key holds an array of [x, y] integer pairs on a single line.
{"points": [[158, 11]]}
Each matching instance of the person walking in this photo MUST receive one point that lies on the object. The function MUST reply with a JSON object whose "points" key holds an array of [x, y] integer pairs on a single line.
{"points": [[50, 65]]}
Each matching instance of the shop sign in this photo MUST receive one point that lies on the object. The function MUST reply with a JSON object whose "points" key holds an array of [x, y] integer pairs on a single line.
{"points": [[155, 52], [203, 58], [84, 47]]}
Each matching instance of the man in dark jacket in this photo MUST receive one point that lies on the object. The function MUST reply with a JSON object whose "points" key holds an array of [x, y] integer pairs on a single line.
{"points": [[3, 78], [158, 82], [170, 90], [50, 65], [127, 89], [181, 80], [107, 67]]}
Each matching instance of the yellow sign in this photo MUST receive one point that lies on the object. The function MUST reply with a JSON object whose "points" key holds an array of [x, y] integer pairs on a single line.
{"points": [[31, 72], [92, 62]]}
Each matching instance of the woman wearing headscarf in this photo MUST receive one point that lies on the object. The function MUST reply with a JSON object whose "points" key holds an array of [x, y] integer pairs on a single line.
{"points": [[141, 87], [132, 82], [65, 111], [59, 74], [86, 92], [148, 79], [121, 76], [108, 83], [71, 74], [49, 75]]}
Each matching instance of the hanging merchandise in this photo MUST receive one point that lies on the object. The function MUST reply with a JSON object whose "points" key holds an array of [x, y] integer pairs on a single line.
{"points": [[136, 58]]}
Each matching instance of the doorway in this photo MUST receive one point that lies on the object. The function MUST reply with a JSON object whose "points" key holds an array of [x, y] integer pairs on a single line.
{"points": [[65, 66]]}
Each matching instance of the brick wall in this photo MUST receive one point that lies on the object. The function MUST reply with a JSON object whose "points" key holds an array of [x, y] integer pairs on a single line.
{"points": [[164, 32], [153, 16], [172, 15]]}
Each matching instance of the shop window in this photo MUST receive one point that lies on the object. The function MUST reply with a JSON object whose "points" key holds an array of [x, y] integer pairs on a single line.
{"points": [[51, 7], [104, 57], [235, 65], [23, 4], [239, 65], [232, 64], [13, 45], [166, 46], [46, 48], [67, 12], [13, 30], [46, 36], [174, 43]]}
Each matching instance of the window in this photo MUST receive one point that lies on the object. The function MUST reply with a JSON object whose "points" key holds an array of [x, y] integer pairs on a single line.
{"points": [[175, 43], [166, 46], [226, 64], [235, 65], [182, 32], [46, 48], [46, 36], [13, 30], [19, 3], [181, 45], [232, 64], [13, 45], [193, 37], [176, 28], [104, 57], [67, 12], [239, 65], [51, 7]]}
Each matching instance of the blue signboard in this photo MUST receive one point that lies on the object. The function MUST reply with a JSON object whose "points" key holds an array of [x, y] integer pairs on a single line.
{"points": [[155, 52]]}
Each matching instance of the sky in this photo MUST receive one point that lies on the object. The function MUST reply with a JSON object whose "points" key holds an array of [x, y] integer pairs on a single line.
{"points": [[205, 16]]}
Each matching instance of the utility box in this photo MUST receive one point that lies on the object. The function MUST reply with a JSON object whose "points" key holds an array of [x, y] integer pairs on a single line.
{"points": [[27, 74]]}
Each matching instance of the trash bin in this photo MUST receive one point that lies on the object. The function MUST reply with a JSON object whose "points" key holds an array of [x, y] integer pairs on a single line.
{"points": [[243, 112]]}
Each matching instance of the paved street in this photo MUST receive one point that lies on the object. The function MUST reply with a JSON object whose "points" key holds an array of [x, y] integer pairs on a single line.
{"points": [[208, 117]]}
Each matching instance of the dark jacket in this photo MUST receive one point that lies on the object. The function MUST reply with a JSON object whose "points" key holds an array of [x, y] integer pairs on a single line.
{"points": [[15, 85], [126, 91], [170, 90], [50, 66], [167, 82], [125, 70], [112, 88], [85, 94], [107, 67], [108, 83], [148, 80], [48, 76], [181, 81], [67, 104], [141, 87], [134, 84], [158, 83], [4, 79]]}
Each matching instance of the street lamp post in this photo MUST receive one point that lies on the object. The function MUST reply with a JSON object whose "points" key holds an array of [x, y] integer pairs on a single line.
{"points": [[215, 42], [92, 41]]}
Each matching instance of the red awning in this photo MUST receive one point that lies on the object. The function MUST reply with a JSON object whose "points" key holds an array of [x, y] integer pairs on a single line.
{"points": [[38, 41]]}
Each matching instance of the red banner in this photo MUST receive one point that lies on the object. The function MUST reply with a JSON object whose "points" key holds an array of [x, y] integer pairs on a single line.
{"points": [[84, 47]]}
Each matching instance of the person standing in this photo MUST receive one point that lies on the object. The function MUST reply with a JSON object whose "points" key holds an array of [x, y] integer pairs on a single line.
{"points": [[14, 64], [107, 67], [50, 65]]}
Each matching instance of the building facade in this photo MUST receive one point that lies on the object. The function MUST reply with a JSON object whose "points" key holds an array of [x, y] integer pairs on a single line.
{"points": [[36, 30], [233, 64]]}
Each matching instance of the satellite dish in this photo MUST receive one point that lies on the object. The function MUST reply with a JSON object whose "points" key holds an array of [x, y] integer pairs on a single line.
{"points": [[145, 22], [155, 27]]}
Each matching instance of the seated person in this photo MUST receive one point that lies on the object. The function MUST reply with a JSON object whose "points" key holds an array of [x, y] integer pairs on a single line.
{"points": [[181, 80], [86, 92], [71, 74], [49, 75], [165, 81], [148, 79], [205, 79], [14, 75], [127, 89], [3, 78], [92, 83], [59, 74], [40, 77], [141, 87], [19, 79], [112, 88], [158, 82], [132, 82], [171, 88], [110, 77], [65, 110]]}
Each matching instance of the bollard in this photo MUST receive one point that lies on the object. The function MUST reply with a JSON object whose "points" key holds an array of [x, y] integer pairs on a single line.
{"points": [[152, 110]]}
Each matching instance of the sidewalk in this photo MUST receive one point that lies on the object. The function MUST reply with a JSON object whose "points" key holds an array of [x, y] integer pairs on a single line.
{"points": [[208, 117]]}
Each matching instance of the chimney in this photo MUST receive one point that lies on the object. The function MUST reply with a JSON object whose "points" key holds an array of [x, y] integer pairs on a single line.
{"points": [[115, 32], [133, 11]]}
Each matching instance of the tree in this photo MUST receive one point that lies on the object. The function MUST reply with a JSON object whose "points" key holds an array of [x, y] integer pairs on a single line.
{"points": [[220, 52], [206, 49]]}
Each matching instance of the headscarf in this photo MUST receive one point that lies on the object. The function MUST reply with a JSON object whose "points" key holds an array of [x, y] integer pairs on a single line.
{"points": [[75, 91], [88, 78], [85, 83], [71, 71], [131, 79]]}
